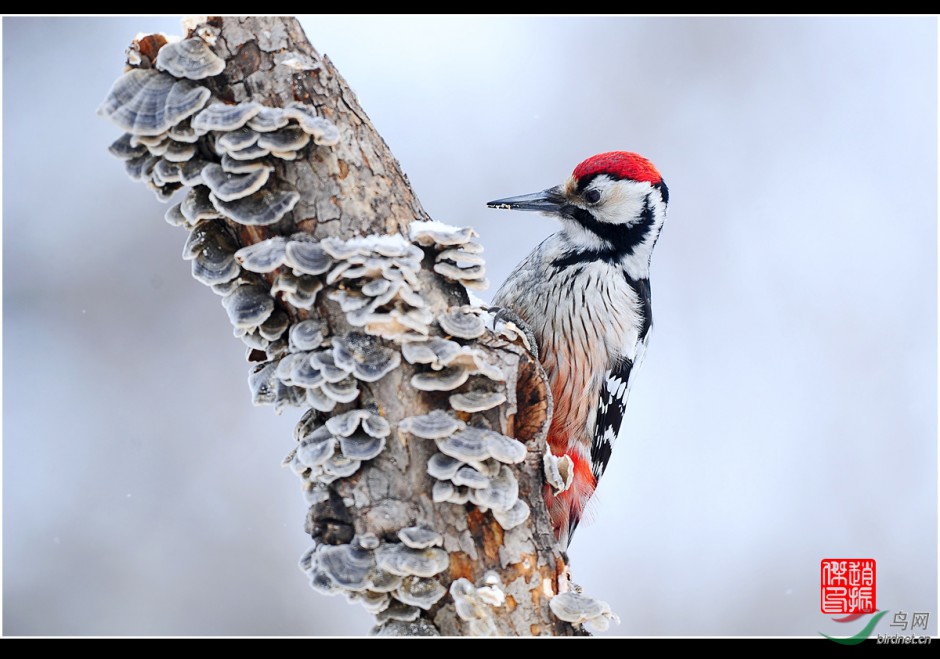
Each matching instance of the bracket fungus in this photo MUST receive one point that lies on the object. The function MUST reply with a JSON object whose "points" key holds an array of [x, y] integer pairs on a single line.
{"points": [[324, 361], [263, 385], [248, 305], [463, 256], [140, 168], [559, 471], [468, 444], [347, 423], [323, 131], [430, 233], [371, 601], [148, 102], [341, 466], [364, 356], [249, 153], [469, 477], [476, 401], [264, 256], [307, 334], [404, 561], [471, 276], [300, 292], [446, 379], [189, 58], [504, 449], [376, 426], [183, 132], [179, 151], [290, 138], [259, 209], [234, 166], [236, 140], [420, 537], [398, 611], [165, 171], [422, 593], [473, 607], [122, 148], [513, 517], [344, 391], [435, 351], [307, 258], [368, 541], [205, 231], [303, 372], [462, 324], [433, 425], [442, 491], [501, 493], [418, 627], [443, 467], [159, 147], [197, 206], [229, 187], [224, 117], [361, 446], [268, 119], [153, 143], [174, 216], [274, 327], [319, 400], [191, 172], [580, 609], [347, 566], [215, 262], [316, 448]]}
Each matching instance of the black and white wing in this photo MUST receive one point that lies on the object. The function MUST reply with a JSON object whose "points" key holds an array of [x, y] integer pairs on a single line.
{"points": [[612, 407]]}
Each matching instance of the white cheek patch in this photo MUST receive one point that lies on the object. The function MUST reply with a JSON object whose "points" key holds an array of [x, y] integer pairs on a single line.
{"points": [[621, 201]]}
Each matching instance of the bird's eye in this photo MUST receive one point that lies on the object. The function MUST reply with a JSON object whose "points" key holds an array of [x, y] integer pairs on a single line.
{"points": [[592, 196]]}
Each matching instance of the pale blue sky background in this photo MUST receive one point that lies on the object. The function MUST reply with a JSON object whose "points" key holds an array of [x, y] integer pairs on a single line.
{"points": [[786, 411]]}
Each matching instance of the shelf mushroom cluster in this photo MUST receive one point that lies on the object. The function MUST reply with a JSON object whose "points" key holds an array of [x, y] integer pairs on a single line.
{"points": [[457, 255], [377, 286], [335, 449], [392, 580], [475, 605], [374, 280], [471, 465], [174, 136], [579, 609]]}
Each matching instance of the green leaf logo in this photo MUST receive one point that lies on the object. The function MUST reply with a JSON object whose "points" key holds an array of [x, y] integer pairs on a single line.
{"points": [[862, 635]]}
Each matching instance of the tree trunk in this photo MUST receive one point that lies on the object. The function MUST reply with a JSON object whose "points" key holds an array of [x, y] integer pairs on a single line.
{"points": [[374, 336]]}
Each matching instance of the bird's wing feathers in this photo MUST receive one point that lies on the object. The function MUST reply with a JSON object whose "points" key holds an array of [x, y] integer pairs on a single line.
{"points": [[611, 408]]}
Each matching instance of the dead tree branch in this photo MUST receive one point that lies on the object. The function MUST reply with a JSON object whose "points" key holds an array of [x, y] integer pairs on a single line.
{"points": [[421, 449]]}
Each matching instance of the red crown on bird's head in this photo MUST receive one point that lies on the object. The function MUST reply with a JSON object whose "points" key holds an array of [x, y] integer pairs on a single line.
{"points": [[619, 165]]}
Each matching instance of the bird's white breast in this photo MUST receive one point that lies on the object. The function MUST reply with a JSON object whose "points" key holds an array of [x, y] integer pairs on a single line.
{"points": [[585, 317]]}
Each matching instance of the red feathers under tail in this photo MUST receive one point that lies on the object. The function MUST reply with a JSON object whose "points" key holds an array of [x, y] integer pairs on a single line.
{"points": [[566, 508]]}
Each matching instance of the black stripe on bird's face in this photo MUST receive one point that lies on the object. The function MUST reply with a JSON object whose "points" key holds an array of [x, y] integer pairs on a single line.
{"points": [[622, 239], [663, 190]]}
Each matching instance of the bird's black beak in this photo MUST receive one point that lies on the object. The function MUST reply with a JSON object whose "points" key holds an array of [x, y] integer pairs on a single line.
{"points": [[547, 201]]}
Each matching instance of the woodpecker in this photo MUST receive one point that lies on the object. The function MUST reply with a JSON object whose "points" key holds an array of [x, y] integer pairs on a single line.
{"points": [[584, 293]]}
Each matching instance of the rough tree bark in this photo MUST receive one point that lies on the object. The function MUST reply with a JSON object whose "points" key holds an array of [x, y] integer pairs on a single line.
{"points": [[471, 562]]}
